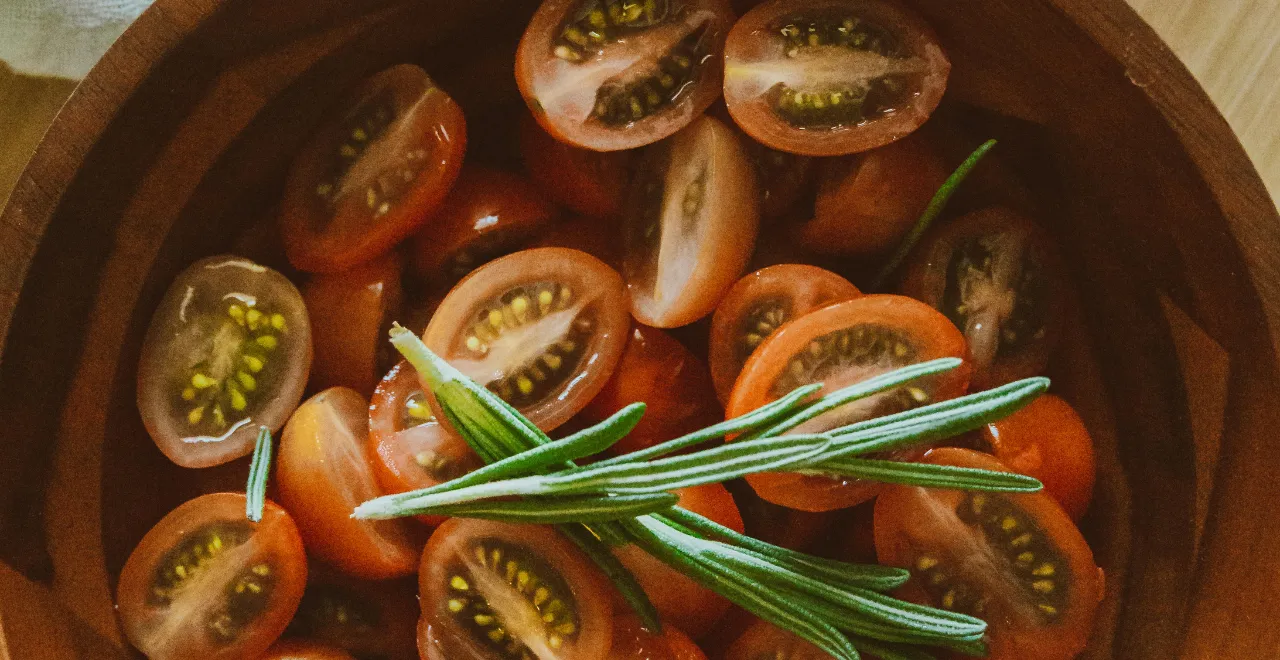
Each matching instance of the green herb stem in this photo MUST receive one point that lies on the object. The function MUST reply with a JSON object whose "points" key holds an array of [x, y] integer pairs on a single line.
{"points": [[259, 471]]}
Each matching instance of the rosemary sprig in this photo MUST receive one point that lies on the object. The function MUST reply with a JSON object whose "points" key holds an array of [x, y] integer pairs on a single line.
{"points": [[259, 469]]}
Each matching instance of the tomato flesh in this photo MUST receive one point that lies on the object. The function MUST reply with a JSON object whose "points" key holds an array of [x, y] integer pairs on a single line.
{"points": [[1048, 440], [632, 642], [350, 313]]}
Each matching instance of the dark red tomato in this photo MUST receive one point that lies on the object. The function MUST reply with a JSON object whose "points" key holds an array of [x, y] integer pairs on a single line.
{"points": [[840, 345], [206, 582], [598, 237], [832, 77], [543, 328], [300, 650], [779, 525], [261, 242], [866, 203], [488, 213], [608, 75], [323, 471], [368, 619], [228, 350], [765, 641], [632, 642], [374, 173], [693, 213], [492, 591], [1016, 561], [1048, 440], [784, 178], [350, 314], [758, 305], [672, 383], [998, 278], [585, 181]]}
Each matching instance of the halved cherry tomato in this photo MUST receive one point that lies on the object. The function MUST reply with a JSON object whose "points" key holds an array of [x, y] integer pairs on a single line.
{"points": [[542, 328], [323, 471], [598, 237], [1016, 561], [672, 383], [300, 650], [493, 591], [758, 305], [228, 350], [1048, 440], [839, 345], [608, 75], [997, 277], [784, 179], [488, 213], [585, 181], [832, 77], [374, 173], [206, 582], [632, 642], [691, 226], [780, 525], [350, 314], [765, 641], [367, 619], [866, 203]]}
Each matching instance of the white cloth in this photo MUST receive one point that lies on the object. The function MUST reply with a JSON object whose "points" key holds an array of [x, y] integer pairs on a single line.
{"points": [[63, 38]]}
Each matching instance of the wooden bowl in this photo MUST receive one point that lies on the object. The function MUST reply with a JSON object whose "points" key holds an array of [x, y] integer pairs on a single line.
{"points": [[180, 139]]}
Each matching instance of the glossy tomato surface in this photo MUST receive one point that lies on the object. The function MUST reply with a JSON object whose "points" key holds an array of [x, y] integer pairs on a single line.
{"points": [[1015, 560], [374, 172], [228, 350], [369, 619], [832, 77], [585, 181], [206, 582], [765, 641], [631, 641], [351, 312], [1048, 440], [301, 650]]}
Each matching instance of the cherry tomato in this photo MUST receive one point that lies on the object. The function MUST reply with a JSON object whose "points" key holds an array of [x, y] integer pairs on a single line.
{"points": [[323, 471], [832, 77], [609, 75], [839, 345], [1048, 440], [784, 178], [1016, 561], [543, 328], [779, 525], [261, 242], [206, 582], [300, 650], [672, 383], [488, 214], [758, 305], [855, 539], [997, 277], [632, 642], [492, 591], [350, 314], [691, 225], [373, 173], [585, 181], [366, 619], [227, 351], [866, 203], [597, 237], [763, 640]]}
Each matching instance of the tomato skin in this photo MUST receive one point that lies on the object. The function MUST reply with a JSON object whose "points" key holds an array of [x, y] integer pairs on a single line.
{"points": [[632, 642], [274, 541], [350, 312], [334, 234], [300, 650], [598, 237], [1048, 440], [779, 525], [765, 640], [585, 181], [784, 179]]}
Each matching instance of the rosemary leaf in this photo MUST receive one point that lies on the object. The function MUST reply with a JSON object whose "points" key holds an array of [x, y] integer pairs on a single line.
{"points": [[259, 470], [553, 511], [592, 544], [927, 475], [890, 651]]}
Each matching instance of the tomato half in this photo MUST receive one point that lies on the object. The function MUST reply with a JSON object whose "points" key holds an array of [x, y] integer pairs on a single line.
{"points": [[373, 173], [1048, 440], [839, 345], [300, 650], [1016, 561], [867, 203], [693, 213], [758, 305], [323, 471], [609, 75], [585, 181], [350, 314], [488, 213], [542, 328], [493, 591], [227, 351], [206, 582], [832, 77], [367, 619], [765, 641], [998, 278], [632, 642]]}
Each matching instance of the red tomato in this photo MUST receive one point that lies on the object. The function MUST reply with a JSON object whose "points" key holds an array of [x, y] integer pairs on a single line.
{"points": [[998, 278], [350, 314], [299, 650], [758, 305], [585, 181], [672, 383], [1016, 561], [597, 237], [227, 351], [832, 77], [618, 76], [543, 328], [784, 178], [488, 213], [632, 642], [367, 619], [782, 526], [763, 640], [374, 173], [323, 471], [262, 243], [1048, 440], [492, 591], [855, 539], [867, 203], [840, 345], [206, 582], [691, 225]]}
